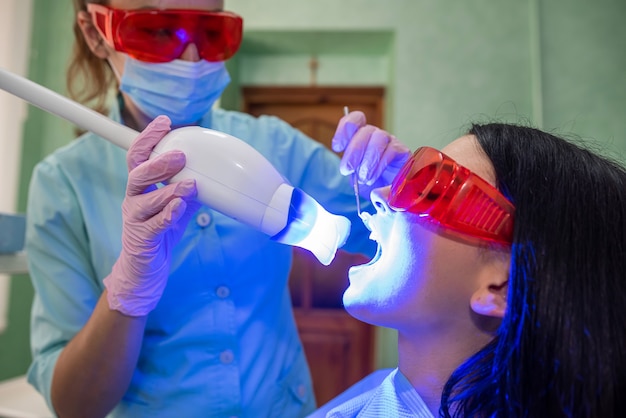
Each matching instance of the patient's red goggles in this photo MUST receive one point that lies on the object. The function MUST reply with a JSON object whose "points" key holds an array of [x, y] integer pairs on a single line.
{"points": [[435, 187], [153, 35]]}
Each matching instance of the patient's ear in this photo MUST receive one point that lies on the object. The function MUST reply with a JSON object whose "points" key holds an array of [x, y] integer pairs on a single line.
{"points": [[490, 297], [490, 301]]}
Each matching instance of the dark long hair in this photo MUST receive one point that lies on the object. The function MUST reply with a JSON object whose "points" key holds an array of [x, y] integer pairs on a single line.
{"points": [[561, 348]]}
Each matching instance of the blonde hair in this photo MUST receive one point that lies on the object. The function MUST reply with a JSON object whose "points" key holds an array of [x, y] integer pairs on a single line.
{"points": [[89, 78]]}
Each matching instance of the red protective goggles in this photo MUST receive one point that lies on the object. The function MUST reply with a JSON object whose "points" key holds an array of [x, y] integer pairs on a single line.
{"points": [[153, 35], [434, 186]]}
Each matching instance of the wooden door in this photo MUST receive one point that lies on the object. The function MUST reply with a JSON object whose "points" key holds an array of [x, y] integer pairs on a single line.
{"points": [[339, 348]]}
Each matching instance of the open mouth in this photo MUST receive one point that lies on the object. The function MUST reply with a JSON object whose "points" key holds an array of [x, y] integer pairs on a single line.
{"points": [[367, 218], [379, 253]]}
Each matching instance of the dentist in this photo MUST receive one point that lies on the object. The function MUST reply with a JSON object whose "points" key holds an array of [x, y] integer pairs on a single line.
{"points": [[147, 304]]}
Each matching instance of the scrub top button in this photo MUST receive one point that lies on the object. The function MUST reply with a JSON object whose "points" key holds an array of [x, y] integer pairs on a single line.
{"points": [[301, 391], [203, 219], [227, 357], [222, 292]]}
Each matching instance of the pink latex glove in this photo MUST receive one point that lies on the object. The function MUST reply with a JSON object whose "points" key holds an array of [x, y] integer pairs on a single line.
{"points": [[373, 154], [154, 220]]}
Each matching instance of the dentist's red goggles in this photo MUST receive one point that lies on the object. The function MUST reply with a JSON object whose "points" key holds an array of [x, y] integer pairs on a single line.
{"points": [[435, 187], [153, 35]]}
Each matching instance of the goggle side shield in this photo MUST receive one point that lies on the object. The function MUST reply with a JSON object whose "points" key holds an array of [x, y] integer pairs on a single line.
{"points": [[162, 35], [435, 187]]}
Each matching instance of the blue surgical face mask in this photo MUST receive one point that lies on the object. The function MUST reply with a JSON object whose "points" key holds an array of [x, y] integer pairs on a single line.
{"points": [[182, 90]]}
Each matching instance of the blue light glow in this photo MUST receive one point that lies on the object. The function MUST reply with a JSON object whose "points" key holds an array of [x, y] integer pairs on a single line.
{"points": [[311, 227]]}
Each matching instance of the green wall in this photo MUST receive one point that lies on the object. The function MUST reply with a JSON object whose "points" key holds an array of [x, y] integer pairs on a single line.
{"points": [[584, 70], [560, 65], [43, 133]]}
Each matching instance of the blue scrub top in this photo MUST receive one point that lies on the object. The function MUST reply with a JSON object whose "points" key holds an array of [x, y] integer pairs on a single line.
{"points": [[222, 341]]}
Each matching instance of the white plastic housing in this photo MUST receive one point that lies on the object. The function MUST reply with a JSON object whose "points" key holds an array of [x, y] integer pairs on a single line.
{"points": [[235, 179], [231, 176]]}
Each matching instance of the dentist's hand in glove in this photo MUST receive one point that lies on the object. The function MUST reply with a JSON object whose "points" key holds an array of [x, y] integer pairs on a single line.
{"points": [[372, 153], [154, 220]]}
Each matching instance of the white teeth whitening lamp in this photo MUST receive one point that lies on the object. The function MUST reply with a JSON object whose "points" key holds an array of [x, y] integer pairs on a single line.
{"points": [[232, 177]]}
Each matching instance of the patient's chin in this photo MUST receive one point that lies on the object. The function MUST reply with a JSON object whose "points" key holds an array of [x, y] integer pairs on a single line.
{"points": [[359, 308]]}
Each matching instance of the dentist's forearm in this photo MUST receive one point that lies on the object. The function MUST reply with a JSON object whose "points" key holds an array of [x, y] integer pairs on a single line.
{"points": [[95, 368]]}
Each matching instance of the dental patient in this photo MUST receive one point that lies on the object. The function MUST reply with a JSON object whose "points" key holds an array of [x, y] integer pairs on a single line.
{"points": [[501, 265]]}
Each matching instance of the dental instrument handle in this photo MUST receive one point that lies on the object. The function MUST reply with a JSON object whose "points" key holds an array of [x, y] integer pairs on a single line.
{"points": [[59, 105], [355, 179]]}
